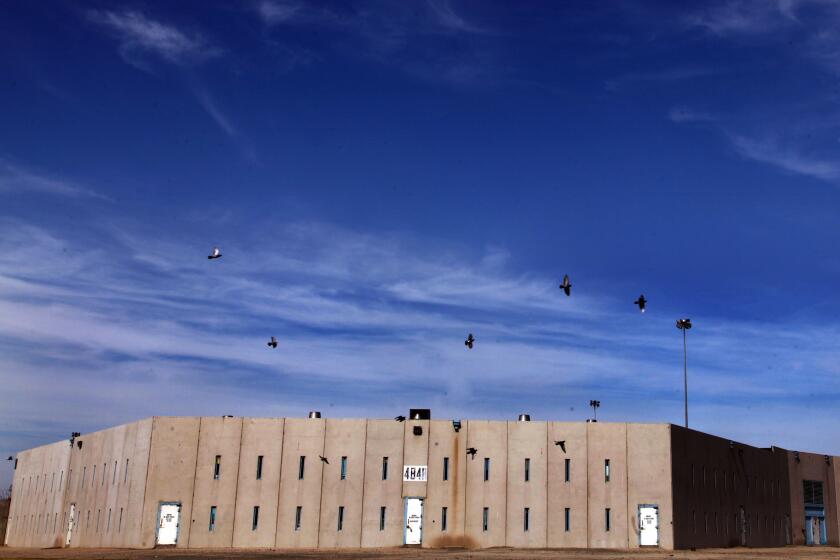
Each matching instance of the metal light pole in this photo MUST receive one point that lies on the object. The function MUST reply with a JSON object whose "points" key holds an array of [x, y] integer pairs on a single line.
{"points": [[595, 405], [684, 325]]}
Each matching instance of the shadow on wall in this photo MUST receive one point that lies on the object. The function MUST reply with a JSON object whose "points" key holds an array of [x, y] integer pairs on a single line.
{"points": [[4, 518]]}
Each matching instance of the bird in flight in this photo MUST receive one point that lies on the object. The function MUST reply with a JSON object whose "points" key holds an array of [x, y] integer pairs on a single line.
{"points": [[273, 342], [641, 302], [400, 418], [471, 451], [470, 341], [216, 254], [324, 459], [566, 285], [562, 445]]}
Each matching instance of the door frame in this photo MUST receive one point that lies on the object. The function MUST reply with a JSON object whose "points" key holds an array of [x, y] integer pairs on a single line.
{"points": [[405, 518], [639, 517], [177, 527], [71, 524]]}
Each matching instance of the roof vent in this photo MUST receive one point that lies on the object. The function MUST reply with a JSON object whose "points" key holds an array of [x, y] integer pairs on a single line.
{"points": [[314, 414], [524, 417]]}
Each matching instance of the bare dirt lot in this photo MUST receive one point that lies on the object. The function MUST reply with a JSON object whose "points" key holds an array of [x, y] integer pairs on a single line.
{"points": [[792, 553]]}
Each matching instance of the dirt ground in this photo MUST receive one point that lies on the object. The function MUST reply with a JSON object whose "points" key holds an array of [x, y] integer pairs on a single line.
{"points": [[792, 553]]}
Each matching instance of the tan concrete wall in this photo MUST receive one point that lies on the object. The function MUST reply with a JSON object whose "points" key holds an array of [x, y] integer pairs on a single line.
{"points": [[812, 467], [415, 452], [171, 460], [384, 439], [260, 436], [344, 438], [301, 437], [216, 436], [649, 479], [171, 475], [572, 494], [490, 440], [38, 487], [526, 440], [451, 493], [108, 504], [607, 441]]}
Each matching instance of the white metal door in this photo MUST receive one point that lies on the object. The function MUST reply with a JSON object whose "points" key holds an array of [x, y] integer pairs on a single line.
{"points": [[413, 520], [648, 525], [70, 523], [168, 521]]}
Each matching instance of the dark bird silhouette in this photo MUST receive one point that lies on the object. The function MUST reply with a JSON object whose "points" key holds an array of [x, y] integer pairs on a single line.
{"points": [[471, 451], [562, 445], [273, 342], [216, 254], [641, 302], [400, 418], [11, 459], [324, 459], [470, 341], [566, 285]]}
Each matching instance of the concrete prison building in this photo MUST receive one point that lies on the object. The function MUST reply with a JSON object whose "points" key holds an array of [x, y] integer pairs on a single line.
{"points": [[338, 483]]}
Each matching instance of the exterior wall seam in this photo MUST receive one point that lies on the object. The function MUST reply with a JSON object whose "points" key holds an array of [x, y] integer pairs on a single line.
{"points": [[364, 483], [195, 476], [321, 497], [145, 479], [279, 484], [236, 490]]}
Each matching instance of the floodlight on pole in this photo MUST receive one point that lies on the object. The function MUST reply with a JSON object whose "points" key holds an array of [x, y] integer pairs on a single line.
{"points": [[684, 325], [595, 404]]}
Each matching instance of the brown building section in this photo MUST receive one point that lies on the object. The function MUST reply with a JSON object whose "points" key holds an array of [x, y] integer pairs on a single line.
{"points": [[728, 494], [336, 483]]}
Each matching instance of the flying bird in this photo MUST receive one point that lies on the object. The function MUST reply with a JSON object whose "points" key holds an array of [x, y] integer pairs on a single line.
{"points": [[471, 451], [11, 459], [641, 302], [273, 342], [216, 254], [562, 445], [470, 341], [324, 459], [400, 418], [566, 285]]}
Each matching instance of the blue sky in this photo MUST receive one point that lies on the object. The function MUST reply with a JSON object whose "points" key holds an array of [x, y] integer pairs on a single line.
{"points": [[385, 177]]}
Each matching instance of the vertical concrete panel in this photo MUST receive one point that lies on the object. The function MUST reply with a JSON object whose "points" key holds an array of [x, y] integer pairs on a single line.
{"points": [[649, 479], [607, 441], [218, 436], [37, 497], [572, 494], [415, 452], [490, 440], [260, 437], [131, 481], [451, 493], [344, 438], [171, 474], [384, 439], [302, 437], [526, 440]]}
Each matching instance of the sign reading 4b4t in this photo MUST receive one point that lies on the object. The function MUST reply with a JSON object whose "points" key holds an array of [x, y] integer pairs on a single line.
{"points": [[414, 473]]}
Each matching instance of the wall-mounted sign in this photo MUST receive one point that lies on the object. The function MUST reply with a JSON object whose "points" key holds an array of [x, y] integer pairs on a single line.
{"points": [[415, 473]]}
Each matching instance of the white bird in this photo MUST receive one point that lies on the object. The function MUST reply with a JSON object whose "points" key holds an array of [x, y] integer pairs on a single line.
{"points": [[216, 254]]}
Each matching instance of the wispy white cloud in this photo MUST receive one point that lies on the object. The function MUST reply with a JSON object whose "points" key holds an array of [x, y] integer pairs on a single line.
{"points": [[363, 319], [687, 115], [789, 159], [139, 35], [18, 179]]}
